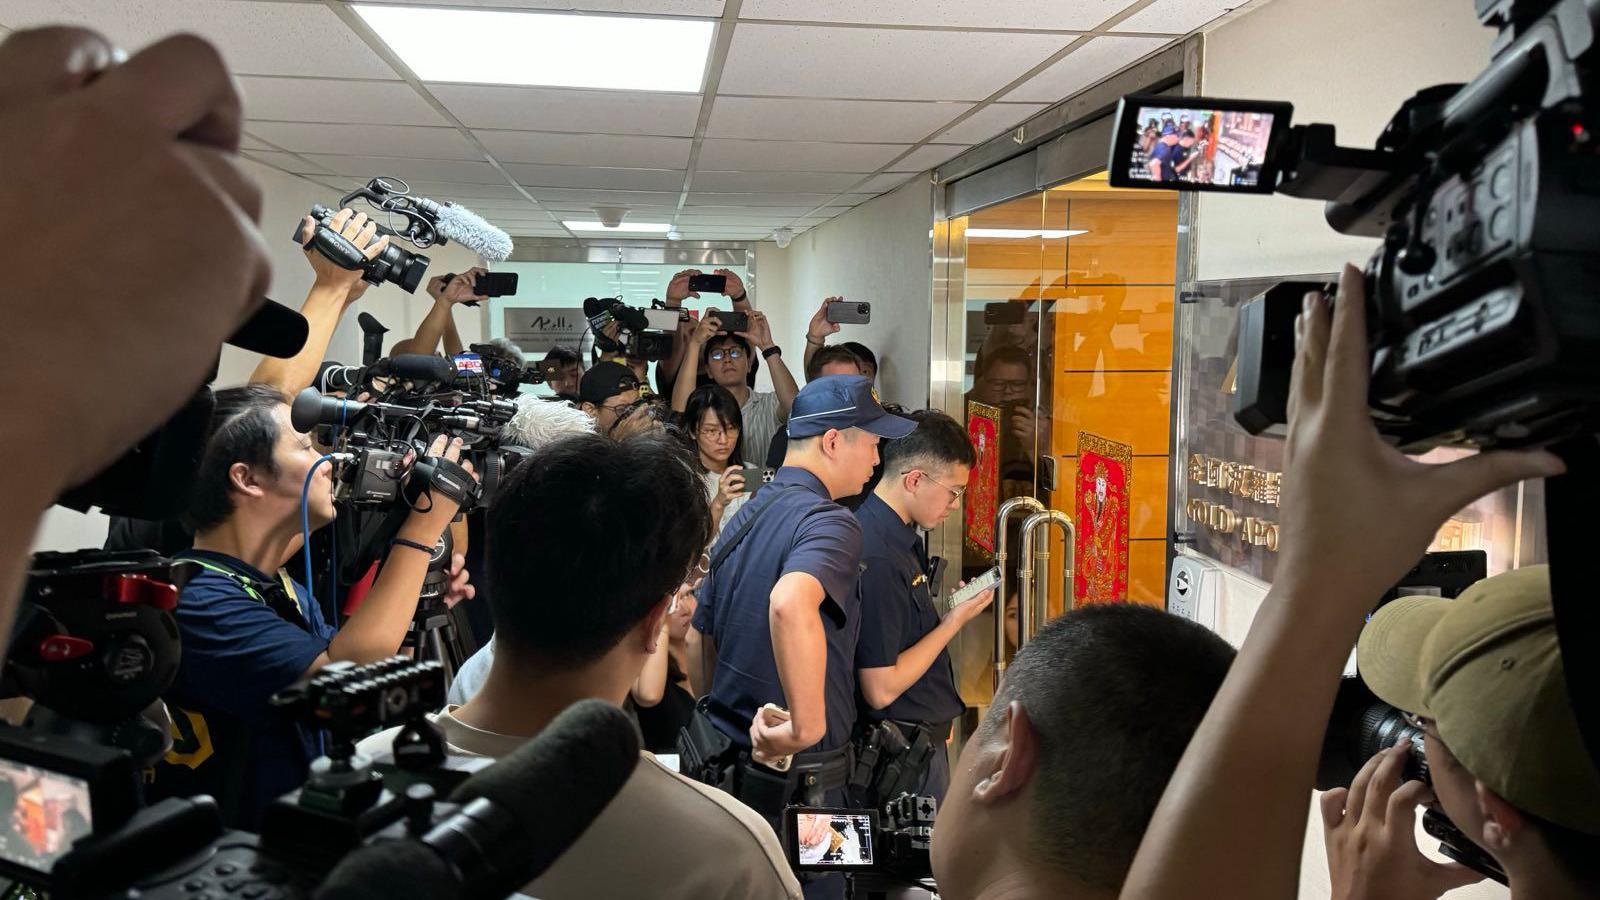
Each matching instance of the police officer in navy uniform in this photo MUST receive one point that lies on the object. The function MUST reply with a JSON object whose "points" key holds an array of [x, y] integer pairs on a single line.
{"points": [[903, 665], [779, 613]]}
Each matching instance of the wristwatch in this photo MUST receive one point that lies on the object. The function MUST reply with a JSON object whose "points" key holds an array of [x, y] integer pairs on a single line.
{"points": [[739, 299], [772, 351]]}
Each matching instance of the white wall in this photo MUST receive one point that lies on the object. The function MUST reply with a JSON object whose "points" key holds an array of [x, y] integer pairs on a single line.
{"points": [[1351, 64], [285, 199], [879, 252]]}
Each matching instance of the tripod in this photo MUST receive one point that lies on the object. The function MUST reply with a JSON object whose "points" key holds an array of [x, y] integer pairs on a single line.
{"points": [[434, 635]]}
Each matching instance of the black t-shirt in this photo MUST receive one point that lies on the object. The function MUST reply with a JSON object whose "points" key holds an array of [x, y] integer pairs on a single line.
{"points": [[659, 724]]}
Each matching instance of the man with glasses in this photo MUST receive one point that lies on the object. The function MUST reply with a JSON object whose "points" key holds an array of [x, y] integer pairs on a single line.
{"points": [[902, 662], [730, 360], [606, 392]]}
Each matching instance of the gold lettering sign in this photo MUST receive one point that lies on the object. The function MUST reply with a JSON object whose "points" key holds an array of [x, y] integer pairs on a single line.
{"points": [[1236, 478], [1249, 529]]}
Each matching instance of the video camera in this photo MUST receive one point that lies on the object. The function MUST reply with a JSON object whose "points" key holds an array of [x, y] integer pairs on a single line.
{"points": [[1480, 312], [410, 399], [893, 840], [76, 826], [502, 371], [636, 332], [426, 223], [1482, 327]]}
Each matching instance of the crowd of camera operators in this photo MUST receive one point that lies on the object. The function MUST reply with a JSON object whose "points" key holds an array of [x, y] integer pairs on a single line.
{"points": [[1128, 752]]}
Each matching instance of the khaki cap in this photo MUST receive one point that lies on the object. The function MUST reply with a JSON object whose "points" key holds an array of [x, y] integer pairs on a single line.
{"points": [[1486, 668]]}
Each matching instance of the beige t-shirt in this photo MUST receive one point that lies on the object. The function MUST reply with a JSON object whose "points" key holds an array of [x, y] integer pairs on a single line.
{"points": [[663, 836]]}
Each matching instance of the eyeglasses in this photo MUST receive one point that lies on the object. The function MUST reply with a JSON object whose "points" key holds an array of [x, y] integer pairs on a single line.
{"points": [[728, 353], [617, 408], [1420, 723], [716, 431], [955, 493]]}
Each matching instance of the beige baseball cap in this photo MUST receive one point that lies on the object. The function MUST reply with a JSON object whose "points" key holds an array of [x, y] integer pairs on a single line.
{"points": [[1486, 668]]}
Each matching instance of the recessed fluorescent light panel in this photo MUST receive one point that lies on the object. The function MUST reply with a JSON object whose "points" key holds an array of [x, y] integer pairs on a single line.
{"points": [[1047, 234], [624, 228], [494, 47]]}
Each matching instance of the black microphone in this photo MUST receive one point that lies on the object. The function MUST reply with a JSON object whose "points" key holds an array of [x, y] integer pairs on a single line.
{"points": [[273, 330], [518, 816], [413, 367]]}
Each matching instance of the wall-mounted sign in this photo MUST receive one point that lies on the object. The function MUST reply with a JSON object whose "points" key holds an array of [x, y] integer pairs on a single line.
{"points": [[536, 329], [1100, 542]]}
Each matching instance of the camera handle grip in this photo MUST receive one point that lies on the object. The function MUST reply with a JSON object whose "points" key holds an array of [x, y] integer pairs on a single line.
{"points": [[336, 247]]}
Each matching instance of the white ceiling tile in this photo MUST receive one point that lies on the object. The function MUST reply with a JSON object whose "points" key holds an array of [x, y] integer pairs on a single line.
{"points": [[288, 162], [828, 120], [888, 181], [773, 211], [1176, 16], [535, 177], [325, 100], [929, 155], [366, 167], [701, 8], [254, 38], [763, 199], [775, 181], [805, 61], [569, 209], [247, 142], [990, 121], [736, 221], [794, 156], [443, 191], [556, 109], [829, 212], [1038, 14], [594, 197], [377, 140], [627, 151], [1084, 66]]}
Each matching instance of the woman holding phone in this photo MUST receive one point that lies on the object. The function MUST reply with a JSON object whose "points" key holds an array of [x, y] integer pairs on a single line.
{"points": [[713, 420]]}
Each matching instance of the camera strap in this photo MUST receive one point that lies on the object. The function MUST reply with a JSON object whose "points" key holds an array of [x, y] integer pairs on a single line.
{"points": [[280, 596]]}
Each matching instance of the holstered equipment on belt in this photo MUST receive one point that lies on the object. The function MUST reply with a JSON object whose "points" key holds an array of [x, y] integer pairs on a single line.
{"points": [[892, 758], [711, 757]]}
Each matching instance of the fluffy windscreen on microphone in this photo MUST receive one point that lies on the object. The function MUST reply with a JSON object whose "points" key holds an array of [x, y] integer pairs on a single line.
{"points": [[388, 870], [472, 231], [555, 785]]}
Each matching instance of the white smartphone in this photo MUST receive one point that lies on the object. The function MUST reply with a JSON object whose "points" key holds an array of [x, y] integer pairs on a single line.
{"points": [[975, 587]]}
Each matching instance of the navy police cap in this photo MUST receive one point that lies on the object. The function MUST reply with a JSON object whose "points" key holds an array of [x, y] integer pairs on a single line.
{"points": [[840, 402]]}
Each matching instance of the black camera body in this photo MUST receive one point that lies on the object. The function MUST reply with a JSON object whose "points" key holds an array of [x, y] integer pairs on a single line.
{"points": [[894, 840], [620, 328], [420, 227]]}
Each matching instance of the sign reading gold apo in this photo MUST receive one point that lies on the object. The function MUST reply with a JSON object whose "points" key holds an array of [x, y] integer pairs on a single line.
{"points": [[1240, 480]]}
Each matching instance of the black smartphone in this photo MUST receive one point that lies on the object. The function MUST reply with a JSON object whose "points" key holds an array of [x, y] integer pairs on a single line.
{"points": [[1198, 143], [708, 284], [849, 312], [754, 478], [733, 322], [489, 284]]}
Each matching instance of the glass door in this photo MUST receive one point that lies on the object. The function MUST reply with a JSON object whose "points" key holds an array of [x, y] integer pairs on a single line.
{"points": [[1067, 299]]}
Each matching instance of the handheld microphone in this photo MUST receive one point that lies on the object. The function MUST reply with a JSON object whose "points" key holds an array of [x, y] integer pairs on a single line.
{"points": [[517, 816]]}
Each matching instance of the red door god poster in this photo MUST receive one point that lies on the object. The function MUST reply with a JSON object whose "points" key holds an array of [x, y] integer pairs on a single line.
{"points": [[983, 486], [1100, 546]]}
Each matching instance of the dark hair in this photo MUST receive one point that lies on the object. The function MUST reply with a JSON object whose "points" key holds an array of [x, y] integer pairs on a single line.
{"points": [[937, 441], [242, 430], [1004, 354], [1575, 852], [861, 350], [832, 353], [1114, 692], [586, 536], [718, 400], [564, 356], [749, 353]]}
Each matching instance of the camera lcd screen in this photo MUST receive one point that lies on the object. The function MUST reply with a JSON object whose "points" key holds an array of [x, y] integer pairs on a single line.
{"points": [[42, 813], [1190, 143], [831, 839]]}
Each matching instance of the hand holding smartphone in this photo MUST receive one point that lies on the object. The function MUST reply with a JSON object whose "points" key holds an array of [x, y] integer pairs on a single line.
{"points": [[849, 312]]}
